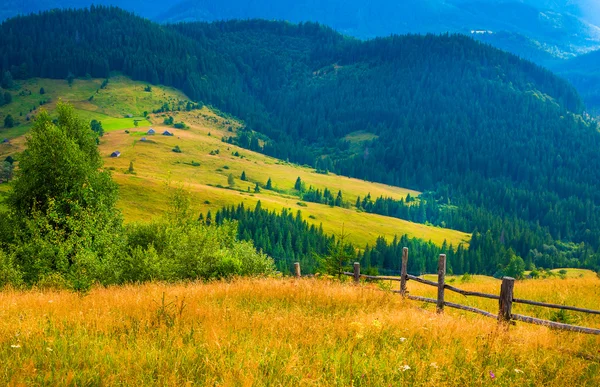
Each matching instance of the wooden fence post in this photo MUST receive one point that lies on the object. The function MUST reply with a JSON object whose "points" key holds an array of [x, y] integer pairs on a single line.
{"points": [[297, 269], [356, 272], [506, 299], [441, 282], [403, 271]]}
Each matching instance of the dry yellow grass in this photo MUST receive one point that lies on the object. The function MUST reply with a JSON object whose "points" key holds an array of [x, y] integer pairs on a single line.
{"points": [[278, 332]]}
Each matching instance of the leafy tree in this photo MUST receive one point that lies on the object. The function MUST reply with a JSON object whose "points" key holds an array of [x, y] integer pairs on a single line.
{"points": [[6, 171], [256, 188], [130, 169], [516, 266], [96, 127], [62, 206], [9, 121], [177, 149], [62, 164], [231, 180], [70, 78]]}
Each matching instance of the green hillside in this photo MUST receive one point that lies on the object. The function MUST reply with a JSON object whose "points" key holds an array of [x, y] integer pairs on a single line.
{"points": [[497, 143], [144, 195], [117, 105]]}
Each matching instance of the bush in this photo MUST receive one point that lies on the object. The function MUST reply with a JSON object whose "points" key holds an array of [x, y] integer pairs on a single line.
{"points": [[9, 274], [190, 250], [562, 316], [466, 278]]}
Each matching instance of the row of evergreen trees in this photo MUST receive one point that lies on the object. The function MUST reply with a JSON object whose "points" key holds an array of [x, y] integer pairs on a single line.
{"points": [[288, 238]]}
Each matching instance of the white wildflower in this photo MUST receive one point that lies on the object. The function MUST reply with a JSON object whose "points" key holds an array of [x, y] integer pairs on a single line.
{"points": [[15, 346], [402, 339], [434, 365], [518, 371], [405, 368]]}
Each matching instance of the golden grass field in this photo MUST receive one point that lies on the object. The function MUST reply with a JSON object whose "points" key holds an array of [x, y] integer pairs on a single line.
{"points": [[285, 332], [144, 195]]}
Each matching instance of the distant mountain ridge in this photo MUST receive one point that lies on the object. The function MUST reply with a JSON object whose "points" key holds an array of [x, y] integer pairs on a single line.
{"points": [[551, 27], [538, 30]]}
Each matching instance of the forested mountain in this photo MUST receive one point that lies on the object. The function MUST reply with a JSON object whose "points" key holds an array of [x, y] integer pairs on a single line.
{"points": [[12, 8], [530, 28], [495, 136], [584, 73]]}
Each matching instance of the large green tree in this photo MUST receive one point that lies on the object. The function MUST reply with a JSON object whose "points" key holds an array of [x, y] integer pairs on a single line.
{"points": [[62, 206]]}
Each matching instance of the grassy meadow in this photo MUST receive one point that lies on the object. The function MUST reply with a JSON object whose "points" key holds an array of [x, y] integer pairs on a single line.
{"points": [[305, 332], [144, 194], [117, 106]]}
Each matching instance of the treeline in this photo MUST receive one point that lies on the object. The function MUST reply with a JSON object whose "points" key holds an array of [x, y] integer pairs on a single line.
{"points": [[288, 238], [284, 236]]}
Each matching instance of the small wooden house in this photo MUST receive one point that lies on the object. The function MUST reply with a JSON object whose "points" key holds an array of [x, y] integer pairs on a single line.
{"points": [[115, 154]]}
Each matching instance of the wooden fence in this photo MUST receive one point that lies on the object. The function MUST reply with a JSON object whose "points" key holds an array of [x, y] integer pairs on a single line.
{"points": [[505, 299]]}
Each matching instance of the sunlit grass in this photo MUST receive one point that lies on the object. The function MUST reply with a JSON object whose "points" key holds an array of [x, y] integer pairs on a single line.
{"points": [[278, 332], [144, 195], [116, 106]]}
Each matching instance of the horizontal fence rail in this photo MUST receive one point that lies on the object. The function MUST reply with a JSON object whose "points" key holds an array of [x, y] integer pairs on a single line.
{"points": [[505, 299]]}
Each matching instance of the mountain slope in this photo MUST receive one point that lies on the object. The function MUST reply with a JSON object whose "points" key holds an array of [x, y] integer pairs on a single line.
{"points": [[584, 73], [496, 136]]}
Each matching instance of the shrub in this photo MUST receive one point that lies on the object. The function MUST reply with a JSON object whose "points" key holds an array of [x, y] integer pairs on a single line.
{"points": [[562, 316], [466, 278], [9, 274]]}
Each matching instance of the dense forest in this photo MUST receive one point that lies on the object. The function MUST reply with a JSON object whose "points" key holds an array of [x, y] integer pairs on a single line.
{"points": [[497, 137], [288, 238]]}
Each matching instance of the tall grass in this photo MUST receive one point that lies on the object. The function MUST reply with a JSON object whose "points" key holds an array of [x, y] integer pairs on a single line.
{"points": [[273, 332]]}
